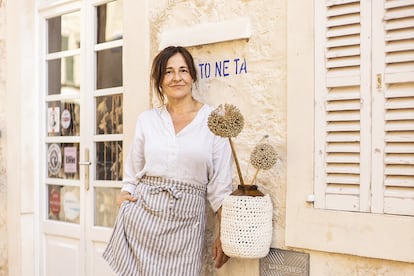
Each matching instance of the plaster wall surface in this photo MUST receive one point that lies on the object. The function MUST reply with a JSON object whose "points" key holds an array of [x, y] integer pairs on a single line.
{"points": [[347, 265], [3, 184], [254, 82]]}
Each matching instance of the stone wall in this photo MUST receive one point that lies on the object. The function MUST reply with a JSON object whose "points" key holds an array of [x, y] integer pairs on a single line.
{"points": [[3, 184]]}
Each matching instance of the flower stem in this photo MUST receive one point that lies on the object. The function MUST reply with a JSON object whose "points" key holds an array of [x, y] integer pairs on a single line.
{"points": [[236, 161], [254, 177]]}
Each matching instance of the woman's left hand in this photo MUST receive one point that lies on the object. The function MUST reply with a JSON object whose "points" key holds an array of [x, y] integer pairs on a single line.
{"points": [[219, 256]]}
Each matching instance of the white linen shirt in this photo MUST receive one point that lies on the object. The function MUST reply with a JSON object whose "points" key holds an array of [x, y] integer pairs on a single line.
{"points": [[194, 154]]}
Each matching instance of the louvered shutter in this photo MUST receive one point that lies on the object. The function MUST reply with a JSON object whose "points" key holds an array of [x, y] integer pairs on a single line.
{"points": [[398, 91], [342, 110], [364, 107]]}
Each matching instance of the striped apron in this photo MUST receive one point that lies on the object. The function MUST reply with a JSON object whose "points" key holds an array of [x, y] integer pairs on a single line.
{"points": [[162, 233]]}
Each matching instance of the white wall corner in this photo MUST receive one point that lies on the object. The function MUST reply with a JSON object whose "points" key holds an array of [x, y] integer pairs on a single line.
{"points": [[207, 33]]}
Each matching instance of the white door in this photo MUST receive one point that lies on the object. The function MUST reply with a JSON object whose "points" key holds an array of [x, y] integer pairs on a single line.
{"points": [[83, 134]]}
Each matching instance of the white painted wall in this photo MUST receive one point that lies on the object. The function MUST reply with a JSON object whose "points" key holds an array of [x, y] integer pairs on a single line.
{"points": [[3, 184], [21, 109]]}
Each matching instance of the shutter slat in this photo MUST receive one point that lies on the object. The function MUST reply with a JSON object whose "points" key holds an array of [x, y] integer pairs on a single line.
{"points": [[343, 105], [399, 91], [402, 159], [403, 114], [399, 136], [399, 24], [350, 147], [400, 57], [399, 125], [343, 168], [346, 126], [399, 181], [343, 41], [401, 170], [339, 79], [399, 148], [398, 76], [343, 31], [397, 46], [392, 14], [340, 117], [343, 52], [343, 94], [342, 189], [343, 179], [343, 62], [398, 4], [344, 10], [340, 2], [343, 138], [400, 36], [343, 158], [399, 103], [343, 21]]}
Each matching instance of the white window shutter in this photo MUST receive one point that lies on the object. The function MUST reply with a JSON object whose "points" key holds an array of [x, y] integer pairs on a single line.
{"points": [[342, 111], [398, 108]]}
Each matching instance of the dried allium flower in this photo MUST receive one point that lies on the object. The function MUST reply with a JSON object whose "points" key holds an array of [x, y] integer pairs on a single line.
{"points": [[226, 121], [263, 156]]}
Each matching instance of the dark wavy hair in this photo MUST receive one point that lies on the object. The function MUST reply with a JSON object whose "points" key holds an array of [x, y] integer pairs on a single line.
{"points": [[159, 66]]}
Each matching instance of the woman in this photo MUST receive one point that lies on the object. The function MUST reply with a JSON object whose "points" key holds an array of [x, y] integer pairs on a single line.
{"points": [[174, 165]]}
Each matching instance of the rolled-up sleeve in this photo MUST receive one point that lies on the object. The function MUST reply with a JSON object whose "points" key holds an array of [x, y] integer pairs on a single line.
{"points": [[220, 181], [135, 160]]}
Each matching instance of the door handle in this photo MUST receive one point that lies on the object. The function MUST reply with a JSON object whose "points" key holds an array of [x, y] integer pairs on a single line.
{"points": [[86, 163]]}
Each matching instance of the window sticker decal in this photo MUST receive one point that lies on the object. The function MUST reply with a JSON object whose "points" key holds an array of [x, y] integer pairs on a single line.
{"points": [[70, 160], [66, 119], [53, 114], [54, 159], [71, 206]]}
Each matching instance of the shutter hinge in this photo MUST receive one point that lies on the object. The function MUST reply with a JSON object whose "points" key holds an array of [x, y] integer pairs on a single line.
{"points": [[380, 82]]}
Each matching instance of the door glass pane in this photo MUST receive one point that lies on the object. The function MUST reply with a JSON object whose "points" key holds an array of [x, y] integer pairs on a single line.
{"points": [[109, 68], [63, 118], [63, 75], [109, 160], [106, 208], [63, 203], [110, 21], [109, 114], [62, 160], [64, 32]]}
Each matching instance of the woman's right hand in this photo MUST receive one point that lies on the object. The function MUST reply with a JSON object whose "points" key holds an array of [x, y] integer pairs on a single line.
{"points": [[124, 195]]}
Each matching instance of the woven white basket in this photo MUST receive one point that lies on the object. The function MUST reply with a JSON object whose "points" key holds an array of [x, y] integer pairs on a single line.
{"points": [[246, 226]]}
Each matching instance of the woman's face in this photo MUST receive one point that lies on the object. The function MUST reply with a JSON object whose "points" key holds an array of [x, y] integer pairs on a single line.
{"points": [[177, 81]]}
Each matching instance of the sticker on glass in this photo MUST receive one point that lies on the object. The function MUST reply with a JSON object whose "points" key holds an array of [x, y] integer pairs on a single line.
{"points": [[66, 118], [53, 125], [71, 205], [54, 201], [54, 159], [70, 160]]}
